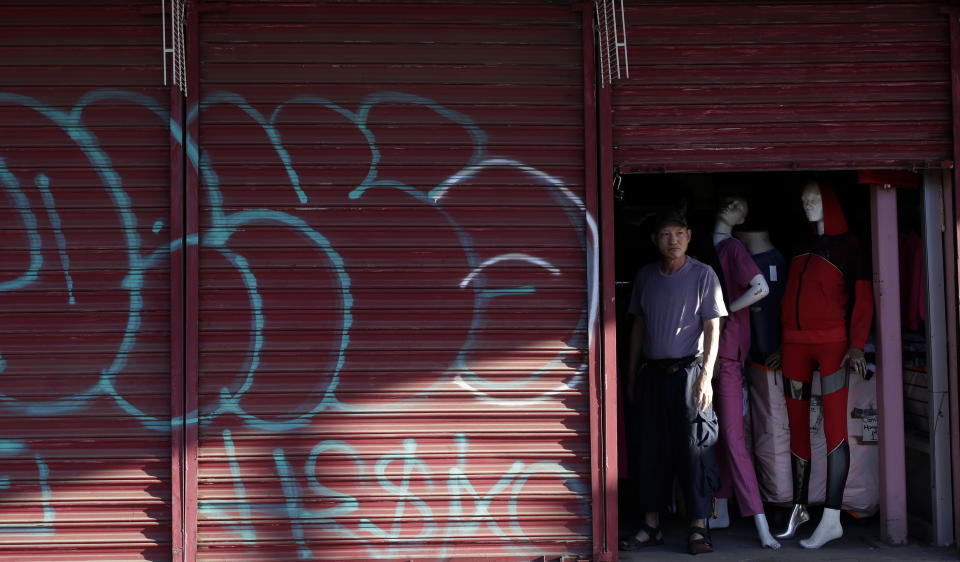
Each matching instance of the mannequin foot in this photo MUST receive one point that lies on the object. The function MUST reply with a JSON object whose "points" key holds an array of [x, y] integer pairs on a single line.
{"points": [[828, 530], [722, 520], [763, 530], [798, 517]]}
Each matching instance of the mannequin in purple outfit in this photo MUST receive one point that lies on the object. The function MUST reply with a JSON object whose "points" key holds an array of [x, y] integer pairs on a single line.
{"points": [[745, 286]]}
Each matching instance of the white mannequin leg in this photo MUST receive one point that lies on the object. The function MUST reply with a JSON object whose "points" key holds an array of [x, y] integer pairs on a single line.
{"points": [[722, 520], [766, 539], [828, 529]]}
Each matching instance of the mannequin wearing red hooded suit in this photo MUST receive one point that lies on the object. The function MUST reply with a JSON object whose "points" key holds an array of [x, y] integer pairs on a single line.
{"points": [[826, 316]]}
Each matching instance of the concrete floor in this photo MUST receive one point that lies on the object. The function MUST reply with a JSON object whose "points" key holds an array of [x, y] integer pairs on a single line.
{"points": [[860, 541]]}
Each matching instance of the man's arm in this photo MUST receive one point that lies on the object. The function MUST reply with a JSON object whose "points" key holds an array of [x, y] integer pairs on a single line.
{"points": [[711, 341], [636, 352]]}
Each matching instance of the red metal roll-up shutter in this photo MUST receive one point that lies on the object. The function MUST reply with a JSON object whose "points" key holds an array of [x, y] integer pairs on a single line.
{"points": [[782, 85], [84, 283], [393, 296]]}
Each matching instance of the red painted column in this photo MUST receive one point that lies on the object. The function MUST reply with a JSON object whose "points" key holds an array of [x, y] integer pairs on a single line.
{"points": [[886, 291], [608, 309], [191, 285], [177, 167], [597, 431]]}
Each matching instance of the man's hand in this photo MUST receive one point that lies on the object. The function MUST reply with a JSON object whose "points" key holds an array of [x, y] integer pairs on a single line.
{"points": [[704, 391], [775, 360], [711, 341], [857, 362]]}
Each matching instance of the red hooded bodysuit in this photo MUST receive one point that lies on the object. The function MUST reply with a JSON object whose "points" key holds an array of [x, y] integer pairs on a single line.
{"points": [[827, 308], [824, 275]]}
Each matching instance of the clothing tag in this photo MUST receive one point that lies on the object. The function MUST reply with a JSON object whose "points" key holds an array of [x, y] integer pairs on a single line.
{"points": [[871, 432], [773, 273], [816, 414]]}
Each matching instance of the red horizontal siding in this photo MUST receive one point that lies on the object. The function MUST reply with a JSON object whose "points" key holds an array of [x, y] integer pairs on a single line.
{"points": [[379, 401], [84, 348], [723, 86]]}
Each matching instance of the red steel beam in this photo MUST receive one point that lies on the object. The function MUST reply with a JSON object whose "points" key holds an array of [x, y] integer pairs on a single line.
{"points": [[608, 312], [191, 286], [176, 323], [598, 462]]}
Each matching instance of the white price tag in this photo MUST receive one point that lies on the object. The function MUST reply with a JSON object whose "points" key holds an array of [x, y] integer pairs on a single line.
{"points": [[871, 431]]}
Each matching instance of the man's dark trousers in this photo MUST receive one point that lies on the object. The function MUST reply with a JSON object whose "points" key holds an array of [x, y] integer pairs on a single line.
{"points": [[673, 438]]}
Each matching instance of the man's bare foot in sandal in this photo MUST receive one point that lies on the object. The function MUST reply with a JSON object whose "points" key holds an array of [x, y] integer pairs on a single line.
{"points": [[648, 535], [698, 541]]}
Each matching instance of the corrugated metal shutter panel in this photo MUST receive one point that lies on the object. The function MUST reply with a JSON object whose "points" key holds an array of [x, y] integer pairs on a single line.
{"points": [[84, 288], [393, 281], [780, 85]]}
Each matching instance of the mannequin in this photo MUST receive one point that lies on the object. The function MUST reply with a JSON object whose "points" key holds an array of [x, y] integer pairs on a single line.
{"points": [[820, 327], [765, 315], [745, 286]]}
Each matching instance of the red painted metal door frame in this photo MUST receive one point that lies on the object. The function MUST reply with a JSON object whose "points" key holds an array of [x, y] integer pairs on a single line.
{"points": [[177, 170], [952, 265], [184, 309], [606, 335], [192, 282], [603, 380]]}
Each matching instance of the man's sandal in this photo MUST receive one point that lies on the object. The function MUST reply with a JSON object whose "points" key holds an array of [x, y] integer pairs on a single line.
{"points": [[654, 538], [701, 545]]}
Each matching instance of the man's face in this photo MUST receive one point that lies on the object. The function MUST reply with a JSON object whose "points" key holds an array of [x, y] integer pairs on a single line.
{"points": [[672, 240]]}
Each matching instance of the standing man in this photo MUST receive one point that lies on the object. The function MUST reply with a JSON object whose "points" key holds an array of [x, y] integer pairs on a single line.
{"points": [[677, 303]]}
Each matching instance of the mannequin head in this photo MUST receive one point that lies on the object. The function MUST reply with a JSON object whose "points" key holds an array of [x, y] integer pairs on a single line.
{"points": [[733, 210], [812, 202]]}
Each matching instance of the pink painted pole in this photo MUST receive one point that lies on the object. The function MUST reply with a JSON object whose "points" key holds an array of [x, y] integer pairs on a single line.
{"points": [[886, 291], [598, 453]]}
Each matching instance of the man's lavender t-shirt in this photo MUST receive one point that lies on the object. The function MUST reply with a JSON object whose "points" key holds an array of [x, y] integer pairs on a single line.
{"points": [[674, 308], [738, 269]]}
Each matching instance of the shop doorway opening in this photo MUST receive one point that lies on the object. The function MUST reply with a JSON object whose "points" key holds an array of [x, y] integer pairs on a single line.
{"points": [[774, 206]]}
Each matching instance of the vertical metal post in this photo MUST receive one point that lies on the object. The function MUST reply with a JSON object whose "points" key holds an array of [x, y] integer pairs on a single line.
{"points": [[954, 237], [623, 25], [886, 291], [937, 387], [608, 312], [597, 460], [950, 290], [951, 240], [616, 40], [191, 285], [177, 414]]}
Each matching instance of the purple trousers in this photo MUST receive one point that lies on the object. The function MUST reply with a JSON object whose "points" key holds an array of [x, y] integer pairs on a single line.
{"points": [[736, 466]]}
